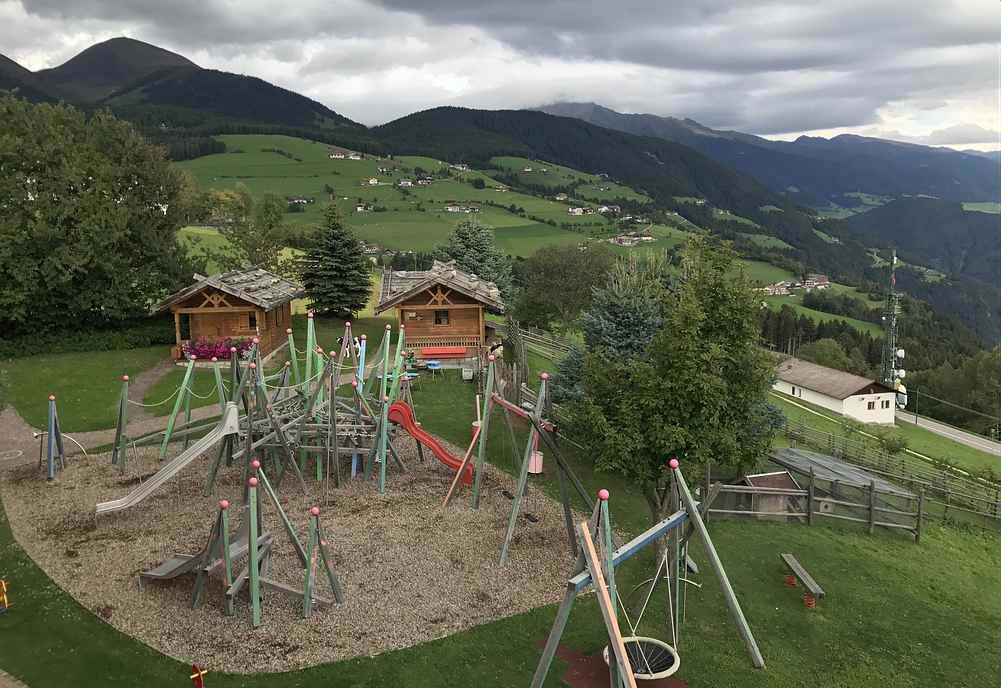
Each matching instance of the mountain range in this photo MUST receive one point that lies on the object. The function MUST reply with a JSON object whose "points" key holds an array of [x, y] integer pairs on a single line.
{"points": [[812, 170], [776, 184]]}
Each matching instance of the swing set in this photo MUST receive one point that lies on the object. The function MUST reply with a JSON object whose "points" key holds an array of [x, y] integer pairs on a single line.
{"points": [[634, 657]]}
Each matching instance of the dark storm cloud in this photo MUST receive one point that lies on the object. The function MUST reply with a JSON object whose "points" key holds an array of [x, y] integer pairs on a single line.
{"points": [[768, 67]]}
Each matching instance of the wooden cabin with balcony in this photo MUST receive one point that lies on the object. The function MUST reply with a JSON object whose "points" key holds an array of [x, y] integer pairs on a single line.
{"points": [[240, 304], [442, 309]]}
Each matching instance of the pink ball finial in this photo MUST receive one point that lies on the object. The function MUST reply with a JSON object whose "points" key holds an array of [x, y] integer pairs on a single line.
{"points": [[491, 358], [232, 349], [52, 397], [269, 407], [388, 327], [603, 494], [384, 399], [125, 378], [255, 464], [288, 330], [192, 357], [673, 463], [252, 482], [223, 504], [215, 360], [310, 315], [319, 349], [314, 510], [403, 327], [544, 376], [364, 337], [255, 340], [347, 323], [288, 363], [333, 354], [253, 366]]}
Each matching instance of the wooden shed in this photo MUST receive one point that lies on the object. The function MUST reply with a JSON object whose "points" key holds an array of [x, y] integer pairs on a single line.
{"points": [[239, 304], [442, 308]]}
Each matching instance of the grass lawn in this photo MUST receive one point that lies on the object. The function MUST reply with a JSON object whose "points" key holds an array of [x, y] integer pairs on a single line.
{"points": [[896, 615], [794, 301], [765, 273], [87, 385], [919, 439], [988, 207], [766, 241]]}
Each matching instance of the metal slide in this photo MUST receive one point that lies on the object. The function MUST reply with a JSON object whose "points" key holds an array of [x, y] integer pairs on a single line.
{"points": [[228, 425]]}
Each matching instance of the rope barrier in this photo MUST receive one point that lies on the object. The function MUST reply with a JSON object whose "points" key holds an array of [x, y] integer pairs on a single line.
{"points": [[159, 403]]}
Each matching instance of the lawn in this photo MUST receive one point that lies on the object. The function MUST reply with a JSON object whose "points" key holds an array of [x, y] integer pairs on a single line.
{"points": [[767, 241], [987, 207], [918, 439], [794, 301], [87, 385], [765, 273], [896, 614]]}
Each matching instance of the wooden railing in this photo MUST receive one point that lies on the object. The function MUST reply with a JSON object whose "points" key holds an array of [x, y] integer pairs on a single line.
{"points": [[422, 342]]}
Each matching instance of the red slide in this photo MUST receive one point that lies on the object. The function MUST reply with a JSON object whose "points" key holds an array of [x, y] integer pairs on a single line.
{"points": [[401, 414]]}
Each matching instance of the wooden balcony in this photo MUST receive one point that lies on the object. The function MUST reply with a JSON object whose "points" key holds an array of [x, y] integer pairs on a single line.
{"points": [[439, 341]]}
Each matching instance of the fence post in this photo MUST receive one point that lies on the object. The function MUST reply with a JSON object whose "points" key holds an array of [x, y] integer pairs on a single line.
{"points": [[921, 513], [706, 495], [872, 507], [809, 496], [948, 498]]}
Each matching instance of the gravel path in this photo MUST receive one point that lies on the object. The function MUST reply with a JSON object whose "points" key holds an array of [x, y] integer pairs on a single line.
{"points": [[410, 574], [8, 681]]}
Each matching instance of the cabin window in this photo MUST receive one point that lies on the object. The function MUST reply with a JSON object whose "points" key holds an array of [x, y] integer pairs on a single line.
{"points": [[871, 406], [248, 321], [793, 390], [441, 318], [410, 315], [885, 404]]}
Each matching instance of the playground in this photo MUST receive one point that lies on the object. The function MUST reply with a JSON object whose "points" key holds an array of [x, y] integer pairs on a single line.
{"points": [[422, 584], [410, 574]]}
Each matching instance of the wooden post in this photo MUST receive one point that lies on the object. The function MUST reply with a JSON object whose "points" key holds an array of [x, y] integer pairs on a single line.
{"points": [[252, 544], [810, 496], [177, 331], [484, 431], [920, 516], [872, 507], [705, 516]]}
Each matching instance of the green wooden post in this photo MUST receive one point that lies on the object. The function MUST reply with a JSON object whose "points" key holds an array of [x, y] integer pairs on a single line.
{"points": [[220, 388], [177, 407], [255, 581], [293, 357], [523, 471], [187, 417], [226, 558], [606, 530], [121, 437], [384, 422], [312, 554], [481, 450]]}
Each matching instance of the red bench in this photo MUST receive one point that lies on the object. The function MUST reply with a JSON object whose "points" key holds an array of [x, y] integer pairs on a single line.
{"points": [[444, 352]]}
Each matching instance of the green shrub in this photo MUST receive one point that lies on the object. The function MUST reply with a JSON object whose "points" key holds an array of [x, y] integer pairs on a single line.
{"points": [[129, 334]]}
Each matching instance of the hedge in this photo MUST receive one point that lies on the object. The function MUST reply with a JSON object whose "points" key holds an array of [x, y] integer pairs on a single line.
{"points": [[129, 334]]}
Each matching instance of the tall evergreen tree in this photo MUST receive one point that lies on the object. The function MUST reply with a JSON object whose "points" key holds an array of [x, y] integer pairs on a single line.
{"points": [[335, 272], [472, 248]]}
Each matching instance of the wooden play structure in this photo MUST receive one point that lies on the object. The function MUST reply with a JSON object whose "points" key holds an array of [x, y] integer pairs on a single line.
{"points": [[797, 572], [239, 304], [633, 657]]}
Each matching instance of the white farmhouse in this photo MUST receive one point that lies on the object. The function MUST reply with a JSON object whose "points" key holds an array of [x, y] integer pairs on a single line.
{"points": [[373, 182], [850, 395]]}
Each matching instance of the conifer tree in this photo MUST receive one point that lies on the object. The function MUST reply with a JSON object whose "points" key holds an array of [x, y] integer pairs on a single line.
{"points": [[335, 273]]}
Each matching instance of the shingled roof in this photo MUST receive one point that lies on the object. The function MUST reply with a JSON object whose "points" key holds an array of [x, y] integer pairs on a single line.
{"points": [[258, 286], [399, 285], [834, 383]]}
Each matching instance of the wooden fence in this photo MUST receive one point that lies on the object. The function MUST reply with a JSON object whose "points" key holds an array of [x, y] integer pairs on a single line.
{"points": [[949, 494], [857, 503]]}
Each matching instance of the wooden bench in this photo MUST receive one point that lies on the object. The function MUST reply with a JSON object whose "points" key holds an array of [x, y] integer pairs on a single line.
{"points": [[444, 352], [803, 575]]}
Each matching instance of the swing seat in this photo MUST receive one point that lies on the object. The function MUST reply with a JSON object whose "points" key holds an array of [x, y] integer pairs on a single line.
{"points": [[650, 658]]}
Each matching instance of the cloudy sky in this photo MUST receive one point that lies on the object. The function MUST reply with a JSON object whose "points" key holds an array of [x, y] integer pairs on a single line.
{"points": [[926, 71]]}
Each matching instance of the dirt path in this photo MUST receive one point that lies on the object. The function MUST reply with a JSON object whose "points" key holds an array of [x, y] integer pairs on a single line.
{"points": [[139, 385], [8, 681]]}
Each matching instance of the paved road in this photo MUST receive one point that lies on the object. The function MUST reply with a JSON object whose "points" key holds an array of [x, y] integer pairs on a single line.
{"points": [[961, 436]]}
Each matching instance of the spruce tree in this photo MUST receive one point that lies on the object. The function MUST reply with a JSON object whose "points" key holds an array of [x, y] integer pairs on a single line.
{"points": [[472, 248], [335, 272]]}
